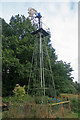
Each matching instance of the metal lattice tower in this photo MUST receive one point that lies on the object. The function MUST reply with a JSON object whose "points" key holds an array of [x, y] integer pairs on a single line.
{"points": [[41, 72]]}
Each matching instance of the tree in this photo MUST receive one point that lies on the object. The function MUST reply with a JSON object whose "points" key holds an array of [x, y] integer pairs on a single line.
{"points": [[62, 76], [17, 51], [0, 58], [77, 87]]}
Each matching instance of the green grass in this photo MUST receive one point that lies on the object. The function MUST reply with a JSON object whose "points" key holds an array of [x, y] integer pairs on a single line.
{"points": [[69, 95], [0, 115], [75, 115], [72, 115]]}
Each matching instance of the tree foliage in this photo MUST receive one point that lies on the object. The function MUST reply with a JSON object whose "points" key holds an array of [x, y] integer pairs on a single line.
{"points": [[17, 51]]}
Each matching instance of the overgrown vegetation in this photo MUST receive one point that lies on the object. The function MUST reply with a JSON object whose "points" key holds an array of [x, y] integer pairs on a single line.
{"points": [[17, 51], [28, 108]]}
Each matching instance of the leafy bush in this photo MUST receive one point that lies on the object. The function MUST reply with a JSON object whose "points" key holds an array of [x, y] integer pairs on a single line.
{"points": [[74, 105], [18, 90], [39, 99]]}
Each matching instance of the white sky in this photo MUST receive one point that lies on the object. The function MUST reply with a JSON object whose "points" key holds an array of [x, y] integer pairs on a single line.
{"points": [[62, 19]]}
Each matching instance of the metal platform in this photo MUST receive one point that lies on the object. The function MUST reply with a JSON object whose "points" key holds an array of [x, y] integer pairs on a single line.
{"points": [[40, 30]]}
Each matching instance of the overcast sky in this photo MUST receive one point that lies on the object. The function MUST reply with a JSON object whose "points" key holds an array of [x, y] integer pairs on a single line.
{"points": [[62, 19]]}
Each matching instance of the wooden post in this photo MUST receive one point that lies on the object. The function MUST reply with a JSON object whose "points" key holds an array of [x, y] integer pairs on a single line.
{"points": [[70, 106], [62, 110]]}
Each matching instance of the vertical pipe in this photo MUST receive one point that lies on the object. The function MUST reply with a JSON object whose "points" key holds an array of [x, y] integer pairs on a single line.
{"points": [[50, 70], [41, 67], [40, 53], [39, 19], [41, 60], [43, 73], [43, 82]]}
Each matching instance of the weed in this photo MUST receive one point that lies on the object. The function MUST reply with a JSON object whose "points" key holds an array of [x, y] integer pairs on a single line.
{"points": [[31, 107]]}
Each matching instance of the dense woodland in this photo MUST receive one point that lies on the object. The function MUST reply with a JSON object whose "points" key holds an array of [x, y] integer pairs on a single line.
{"points": [[17, 51]]}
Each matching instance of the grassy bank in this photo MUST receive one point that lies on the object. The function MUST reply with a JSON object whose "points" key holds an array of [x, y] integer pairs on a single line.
{"points": [[31, 107]]}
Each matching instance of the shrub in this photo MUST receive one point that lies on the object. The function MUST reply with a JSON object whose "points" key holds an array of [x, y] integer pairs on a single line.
{"points": [[74, 104], [18, 90]]}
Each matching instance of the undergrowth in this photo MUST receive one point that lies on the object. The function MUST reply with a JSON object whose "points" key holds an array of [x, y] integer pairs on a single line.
{"points": [[31, 107]]}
